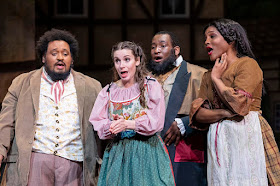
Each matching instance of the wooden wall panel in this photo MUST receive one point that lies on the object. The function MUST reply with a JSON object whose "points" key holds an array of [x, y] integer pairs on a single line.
{"points": [[17, 30]]}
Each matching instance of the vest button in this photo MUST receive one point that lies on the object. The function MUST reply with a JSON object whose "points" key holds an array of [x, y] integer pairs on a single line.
{"points": [[57, 121], [56, 145], [55, 152]]}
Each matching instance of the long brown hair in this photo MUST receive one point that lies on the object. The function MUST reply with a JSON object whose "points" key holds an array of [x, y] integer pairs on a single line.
{"points": [[141, 70]]}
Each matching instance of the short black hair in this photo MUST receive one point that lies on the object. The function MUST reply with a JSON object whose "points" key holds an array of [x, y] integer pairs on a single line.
{"points": [[57, 35], [173, 37]]}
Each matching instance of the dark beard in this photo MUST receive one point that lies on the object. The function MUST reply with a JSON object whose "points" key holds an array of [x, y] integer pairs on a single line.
{"points": [[163, 67], [57, 76]]}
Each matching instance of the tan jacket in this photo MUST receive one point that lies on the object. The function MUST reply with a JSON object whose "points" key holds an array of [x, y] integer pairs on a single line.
{"points": [[197, 73], [17, 123]]}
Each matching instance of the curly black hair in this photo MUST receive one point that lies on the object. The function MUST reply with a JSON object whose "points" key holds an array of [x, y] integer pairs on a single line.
{"points": [[233, 32], [56, 35]]}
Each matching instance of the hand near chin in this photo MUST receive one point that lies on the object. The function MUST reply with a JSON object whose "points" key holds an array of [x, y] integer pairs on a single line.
{"points": [[219, 67]]}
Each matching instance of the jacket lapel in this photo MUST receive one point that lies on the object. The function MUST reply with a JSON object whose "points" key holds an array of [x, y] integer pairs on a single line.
{"points": [[80, 90], [35, 84], [176, 97]]}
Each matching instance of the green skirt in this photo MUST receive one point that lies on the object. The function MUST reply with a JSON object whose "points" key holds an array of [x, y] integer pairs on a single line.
{"points": [[139, 160]]}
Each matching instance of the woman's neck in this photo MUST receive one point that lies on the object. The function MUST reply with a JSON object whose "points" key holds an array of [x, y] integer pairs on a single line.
{"points": [[231, 57]]}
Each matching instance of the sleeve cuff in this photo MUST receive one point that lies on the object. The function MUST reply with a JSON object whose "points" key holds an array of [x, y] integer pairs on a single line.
{"points": [[180, 125]]}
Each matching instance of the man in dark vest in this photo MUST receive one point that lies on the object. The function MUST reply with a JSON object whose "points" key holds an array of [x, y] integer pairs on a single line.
{"points": [[181, 82]]}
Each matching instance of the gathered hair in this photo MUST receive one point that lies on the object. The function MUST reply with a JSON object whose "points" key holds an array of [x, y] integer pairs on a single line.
{"points": [[141, 70], [57, 35], [233, 32]]}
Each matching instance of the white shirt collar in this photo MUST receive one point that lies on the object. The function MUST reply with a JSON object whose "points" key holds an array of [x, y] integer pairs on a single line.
{"points": [[178, 61]]}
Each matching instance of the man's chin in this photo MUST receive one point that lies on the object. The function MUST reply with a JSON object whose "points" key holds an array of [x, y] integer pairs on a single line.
{"points": [[157, 62], [160, 68], [58, 74]]}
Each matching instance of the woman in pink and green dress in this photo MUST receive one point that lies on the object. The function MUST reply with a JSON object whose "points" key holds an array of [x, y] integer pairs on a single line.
{"points": [[130, 111]]}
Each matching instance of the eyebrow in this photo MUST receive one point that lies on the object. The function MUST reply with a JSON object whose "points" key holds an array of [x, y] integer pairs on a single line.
{"points": [[160, 42], [210, 31], [55, 49]]}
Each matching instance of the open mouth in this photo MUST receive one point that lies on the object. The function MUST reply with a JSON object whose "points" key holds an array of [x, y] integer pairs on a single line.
{"points": [[60, 65], [209, 50], [124, 74], [158, 59]]}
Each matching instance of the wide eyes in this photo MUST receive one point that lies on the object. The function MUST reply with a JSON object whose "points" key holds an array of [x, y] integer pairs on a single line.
{"points": [[212, 36], [161, 46], [117, 60]]}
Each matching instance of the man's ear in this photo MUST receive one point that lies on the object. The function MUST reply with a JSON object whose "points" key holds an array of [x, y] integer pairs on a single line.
{"points": [[177, 50], [43, 59]]}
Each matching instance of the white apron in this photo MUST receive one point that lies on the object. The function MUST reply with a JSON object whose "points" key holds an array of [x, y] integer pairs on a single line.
{"points": [[235, 153]]}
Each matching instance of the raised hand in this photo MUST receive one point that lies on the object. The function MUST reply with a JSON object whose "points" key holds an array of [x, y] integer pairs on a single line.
{"points": [[219, 67]]}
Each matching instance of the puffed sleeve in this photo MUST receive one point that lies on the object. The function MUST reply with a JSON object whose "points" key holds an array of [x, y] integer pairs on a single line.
{"points": [[202, 100], [153, 120], [99, 115], [247, 79]]}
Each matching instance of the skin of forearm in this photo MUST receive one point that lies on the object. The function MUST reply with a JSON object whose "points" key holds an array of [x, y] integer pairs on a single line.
{"points": [[220, 88], [219, 85], [130, 124], [209, 116]]}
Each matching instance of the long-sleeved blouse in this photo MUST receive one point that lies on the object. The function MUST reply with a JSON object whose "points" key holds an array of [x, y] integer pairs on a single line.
{"points": [[243, 80], [145, 124]]}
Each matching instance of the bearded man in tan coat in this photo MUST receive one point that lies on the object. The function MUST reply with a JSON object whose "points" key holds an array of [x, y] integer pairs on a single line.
{"points": [[45, 135]]}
